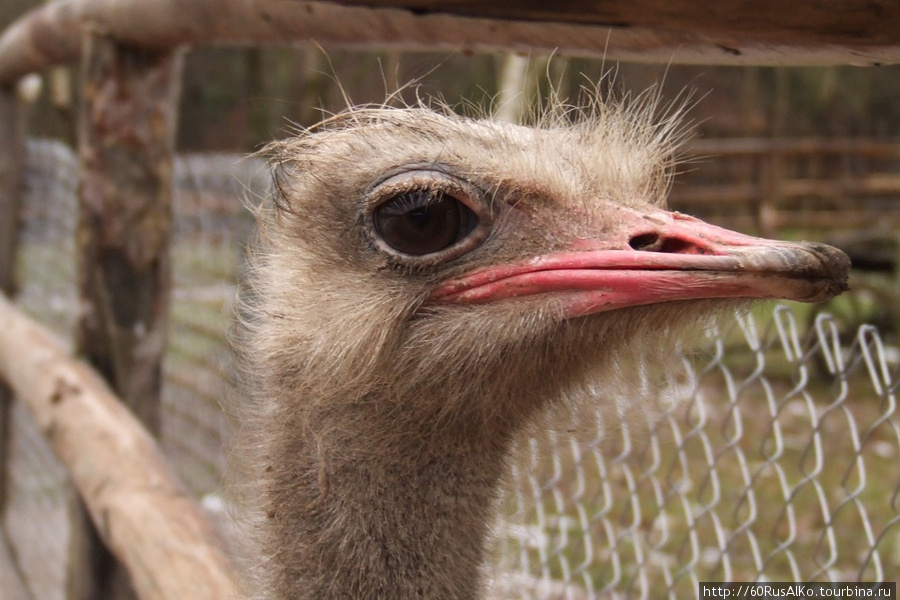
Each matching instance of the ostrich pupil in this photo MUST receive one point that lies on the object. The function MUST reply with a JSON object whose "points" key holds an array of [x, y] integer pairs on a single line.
{"points": [[423, 222]]}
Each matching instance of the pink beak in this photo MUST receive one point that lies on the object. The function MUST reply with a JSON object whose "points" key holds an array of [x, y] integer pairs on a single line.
{"points": [[660, 257]]}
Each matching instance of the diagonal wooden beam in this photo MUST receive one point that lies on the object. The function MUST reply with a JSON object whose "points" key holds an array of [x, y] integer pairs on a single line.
{"points": [[143, 513], [11, 581]]}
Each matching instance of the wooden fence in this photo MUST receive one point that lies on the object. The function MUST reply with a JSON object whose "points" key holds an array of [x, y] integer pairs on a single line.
{"points": [[130, 77], [813, 186]]}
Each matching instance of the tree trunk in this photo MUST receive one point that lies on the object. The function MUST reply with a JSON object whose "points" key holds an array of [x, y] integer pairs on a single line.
{"points": [[125, 146]]}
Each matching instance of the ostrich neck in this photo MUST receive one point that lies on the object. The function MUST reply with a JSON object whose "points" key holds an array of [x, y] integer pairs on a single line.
{"points": [[385, 507]]}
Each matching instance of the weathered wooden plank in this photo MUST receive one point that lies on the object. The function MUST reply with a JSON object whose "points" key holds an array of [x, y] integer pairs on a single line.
{"points": [[126, 139], [724, 147], [143, 513], [848, 22], [729, 32], [11, 583], [125, 199], [12, 160]]}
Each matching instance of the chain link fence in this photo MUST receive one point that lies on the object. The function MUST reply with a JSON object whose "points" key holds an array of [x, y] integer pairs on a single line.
{"points": [[777, 459], [773, 452], [210, 228]]}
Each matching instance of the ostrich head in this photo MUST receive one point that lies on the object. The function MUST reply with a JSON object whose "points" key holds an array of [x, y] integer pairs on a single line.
{"points": [[426, 284]]}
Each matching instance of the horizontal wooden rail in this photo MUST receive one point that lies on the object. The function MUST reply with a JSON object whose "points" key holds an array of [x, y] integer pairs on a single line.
{"points": [[749, 146], [52, 33], [741, 193], [145, 516], [820, 183]]}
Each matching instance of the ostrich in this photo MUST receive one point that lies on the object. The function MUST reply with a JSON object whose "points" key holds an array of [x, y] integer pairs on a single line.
{"points": [[426, 286]]}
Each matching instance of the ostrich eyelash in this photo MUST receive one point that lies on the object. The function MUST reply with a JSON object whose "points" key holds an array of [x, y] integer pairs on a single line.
{"points": [[412, 199]]}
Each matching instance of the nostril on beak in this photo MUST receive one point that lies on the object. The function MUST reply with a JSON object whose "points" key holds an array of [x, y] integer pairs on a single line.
{"points": [[653, 242], [647, 242]]}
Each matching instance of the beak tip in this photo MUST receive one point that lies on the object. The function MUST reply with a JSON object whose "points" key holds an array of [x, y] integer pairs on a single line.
{"points": [[833, 267]]}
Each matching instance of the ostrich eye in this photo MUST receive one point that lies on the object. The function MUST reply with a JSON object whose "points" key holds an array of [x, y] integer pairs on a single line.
{"points": [[423, 222], [427, 215]]}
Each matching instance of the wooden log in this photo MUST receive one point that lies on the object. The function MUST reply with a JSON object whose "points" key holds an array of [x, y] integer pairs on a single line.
{"points": [[513, 100], [832, 23], [126, 139], [723, 194], [739, 147], [11, 580], [874, 184], [12, 163], [143, 513], [125, 199], [52, 33], [818, 221]]}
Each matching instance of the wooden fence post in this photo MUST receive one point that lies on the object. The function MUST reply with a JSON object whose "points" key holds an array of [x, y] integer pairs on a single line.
{"points": [[126, 136], [774, 161], [12, 162], [513, 96], [770, 174]]}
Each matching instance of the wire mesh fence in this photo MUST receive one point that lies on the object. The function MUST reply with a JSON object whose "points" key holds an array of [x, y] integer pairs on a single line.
{"points": [[210, 227], [774, 453], [777, 461], [36, 523]]}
